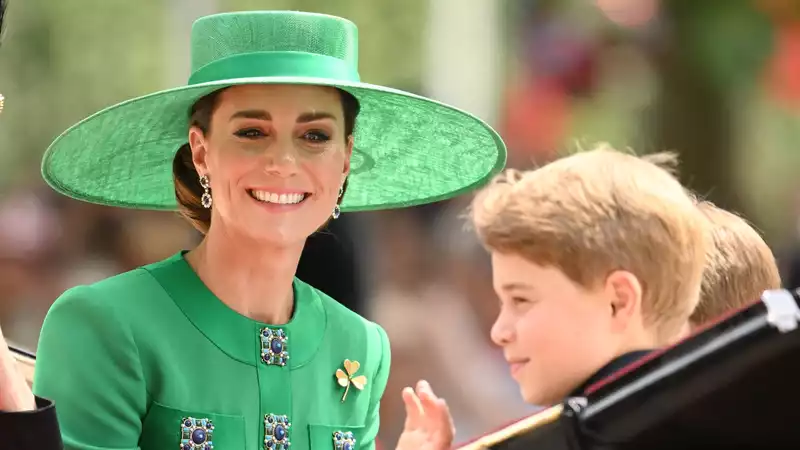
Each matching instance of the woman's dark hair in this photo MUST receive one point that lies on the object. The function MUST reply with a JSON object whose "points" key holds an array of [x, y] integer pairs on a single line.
{"points": [[188, 190]]}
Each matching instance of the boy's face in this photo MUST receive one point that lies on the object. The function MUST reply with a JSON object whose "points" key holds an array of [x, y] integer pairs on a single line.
{"points": [[554, 333]]}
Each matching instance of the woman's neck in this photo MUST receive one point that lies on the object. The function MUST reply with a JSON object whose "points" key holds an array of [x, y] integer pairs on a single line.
{"points": [[252, 278]]}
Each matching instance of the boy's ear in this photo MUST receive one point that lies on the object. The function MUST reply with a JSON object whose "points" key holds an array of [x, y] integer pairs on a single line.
{"points": [[624, 292]]}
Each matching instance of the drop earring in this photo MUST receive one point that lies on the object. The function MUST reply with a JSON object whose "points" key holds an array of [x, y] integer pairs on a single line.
{"points": [[206, 198], [336, 210]]}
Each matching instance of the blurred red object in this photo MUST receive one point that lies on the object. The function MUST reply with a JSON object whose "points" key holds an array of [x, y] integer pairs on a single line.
{"points": [[783, 70], [535, 120]]}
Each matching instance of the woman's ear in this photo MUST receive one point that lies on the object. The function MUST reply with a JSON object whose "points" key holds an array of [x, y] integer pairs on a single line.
{"points": [[197, 142]]}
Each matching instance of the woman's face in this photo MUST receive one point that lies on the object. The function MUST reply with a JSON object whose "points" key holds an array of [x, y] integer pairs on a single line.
{"points": [[276, 157]]}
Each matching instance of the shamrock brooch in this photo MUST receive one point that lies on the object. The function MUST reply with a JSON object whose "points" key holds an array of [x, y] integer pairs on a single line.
{"points": [[347, 377]]}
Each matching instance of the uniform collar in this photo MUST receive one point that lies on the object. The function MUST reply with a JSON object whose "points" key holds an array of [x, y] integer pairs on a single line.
{"points": [[609, 369]]}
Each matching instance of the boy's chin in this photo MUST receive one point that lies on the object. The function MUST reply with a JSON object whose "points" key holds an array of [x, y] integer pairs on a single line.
{"points": [[543, 397]]}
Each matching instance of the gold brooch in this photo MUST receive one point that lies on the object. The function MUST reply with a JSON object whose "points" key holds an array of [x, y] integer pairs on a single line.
{"points": [[348, 378], [2, 102]]}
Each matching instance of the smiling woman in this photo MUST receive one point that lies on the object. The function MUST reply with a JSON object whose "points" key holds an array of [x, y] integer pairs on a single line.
{"points": [[312, 124], [221, 346]]}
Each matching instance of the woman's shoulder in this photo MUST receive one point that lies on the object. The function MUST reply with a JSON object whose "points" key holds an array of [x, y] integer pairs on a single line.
{"points": [[338, 314], [350, 336], [348, 330], [128, 290]]}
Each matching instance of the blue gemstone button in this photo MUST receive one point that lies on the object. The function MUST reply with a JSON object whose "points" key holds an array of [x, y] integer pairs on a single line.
{"points": [[274, 350], [198, 436], [344, 440], [276, 432]]}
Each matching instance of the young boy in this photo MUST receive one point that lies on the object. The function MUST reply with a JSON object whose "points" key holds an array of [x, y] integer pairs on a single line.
{"points": [[597, 258], [739, 266]]}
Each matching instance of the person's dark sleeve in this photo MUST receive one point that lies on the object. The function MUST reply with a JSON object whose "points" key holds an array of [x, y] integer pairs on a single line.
{"points": [[31, 430]]}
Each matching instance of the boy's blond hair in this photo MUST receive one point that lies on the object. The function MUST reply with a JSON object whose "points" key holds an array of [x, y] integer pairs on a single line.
{"points": [[739, 265], [598, 211]]}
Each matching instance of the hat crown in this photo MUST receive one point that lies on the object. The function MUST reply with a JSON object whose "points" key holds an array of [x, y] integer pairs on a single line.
{"points": [[224, 35]]}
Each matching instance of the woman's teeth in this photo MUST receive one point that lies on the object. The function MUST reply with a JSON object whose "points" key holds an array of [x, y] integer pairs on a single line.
{"points": [[281, 199]]}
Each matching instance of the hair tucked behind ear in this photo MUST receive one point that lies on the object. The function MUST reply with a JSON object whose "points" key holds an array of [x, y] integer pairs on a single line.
{"points": [[351, 108], [188, 190]]}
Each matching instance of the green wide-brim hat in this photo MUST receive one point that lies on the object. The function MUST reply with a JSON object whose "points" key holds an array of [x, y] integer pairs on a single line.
{"points": [[409, 150]]}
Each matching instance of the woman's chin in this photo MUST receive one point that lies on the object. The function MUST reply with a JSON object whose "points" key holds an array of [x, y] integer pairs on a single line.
{"points": [[278, 237], [283, 232], [261, 225]]}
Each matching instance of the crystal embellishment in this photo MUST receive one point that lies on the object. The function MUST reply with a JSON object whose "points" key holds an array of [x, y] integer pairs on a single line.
{"points": [[196, 434], [344, 440], [276, 432], [274, 351]]}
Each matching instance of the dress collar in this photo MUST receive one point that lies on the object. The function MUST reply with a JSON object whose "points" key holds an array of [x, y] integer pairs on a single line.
{"points": [[237, 335]]}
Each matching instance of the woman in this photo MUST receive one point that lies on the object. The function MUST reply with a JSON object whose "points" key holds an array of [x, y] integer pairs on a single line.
{"points": [[221, 346]]}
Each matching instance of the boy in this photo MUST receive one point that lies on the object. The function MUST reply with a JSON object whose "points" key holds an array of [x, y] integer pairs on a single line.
{"points": [[597, 258], [739, 266]]}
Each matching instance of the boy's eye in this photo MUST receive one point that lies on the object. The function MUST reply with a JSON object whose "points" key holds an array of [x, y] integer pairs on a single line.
{"points": [[519, 300]]}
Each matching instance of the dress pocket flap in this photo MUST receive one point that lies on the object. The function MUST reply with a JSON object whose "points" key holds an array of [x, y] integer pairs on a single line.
{"points": [[167, 428]]}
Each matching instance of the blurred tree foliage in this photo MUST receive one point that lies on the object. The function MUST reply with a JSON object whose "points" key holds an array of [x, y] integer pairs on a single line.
{"points": [[61, 61], [713, 54]]}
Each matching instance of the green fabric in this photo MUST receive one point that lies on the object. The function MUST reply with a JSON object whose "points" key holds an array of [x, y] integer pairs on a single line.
{"points": [[126, 360], [408, 150]]}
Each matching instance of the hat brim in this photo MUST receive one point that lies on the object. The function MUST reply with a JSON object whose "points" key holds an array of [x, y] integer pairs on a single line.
{"points": [[409, 150]]}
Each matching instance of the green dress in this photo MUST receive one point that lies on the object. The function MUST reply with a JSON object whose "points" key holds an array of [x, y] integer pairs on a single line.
{"points": [[151, 360]]}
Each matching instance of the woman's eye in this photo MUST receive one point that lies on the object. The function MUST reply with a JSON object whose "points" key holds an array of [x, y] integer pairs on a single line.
{"points": [[249, 133], [316, 136]]}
